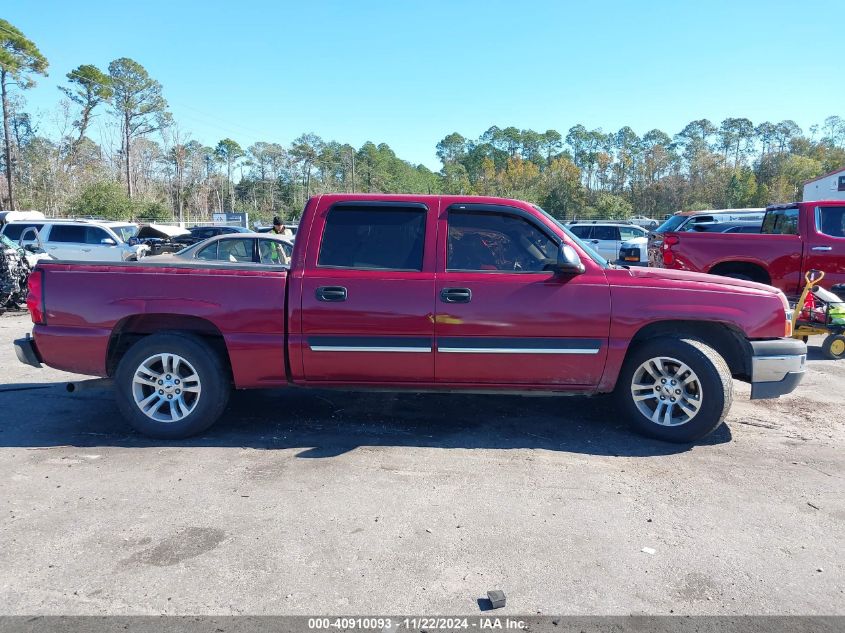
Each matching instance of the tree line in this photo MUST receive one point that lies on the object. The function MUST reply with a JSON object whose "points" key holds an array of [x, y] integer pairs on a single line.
{"points": [[143, 165]]}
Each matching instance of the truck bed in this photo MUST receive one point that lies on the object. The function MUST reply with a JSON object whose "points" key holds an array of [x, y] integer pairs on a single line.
{"points": [[93, 303]]}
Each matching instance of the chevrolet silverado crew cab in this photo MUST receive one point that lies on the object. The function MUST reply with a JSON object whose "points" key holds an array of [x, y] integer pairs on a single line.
{"points": [[794, 239], [417, 293]]}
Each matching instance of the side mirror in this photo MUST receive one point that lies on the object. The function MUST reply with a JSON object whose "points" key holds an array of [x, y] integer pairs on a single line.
{"points": [[568, 262], [107, 241], [133, 241]]}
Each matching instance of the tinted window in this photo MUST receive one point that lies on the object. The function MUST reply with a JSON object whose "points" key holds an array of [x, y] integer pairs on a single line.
{"points": [[235, 250], [389, 238], [781, 222], [209, 252], [497, 241], [14, 231], [581, 231], [605, 233], [830, 220], [67, 233]]}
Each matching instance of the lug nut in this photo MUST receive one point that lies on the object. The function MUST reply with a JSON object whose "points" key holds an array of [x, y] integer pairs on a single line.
{"points": [[176, 381], [663, 380], [161, 391], [161, 382], [673, 382], [678, 391], [663, 397], [671, 399], [169, 397], [168, 376], [178, 391]]}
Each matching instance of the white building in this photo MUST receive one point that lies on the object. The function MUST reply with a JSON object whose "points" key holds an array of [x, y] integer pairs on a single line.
{"points": [[831, 186]]}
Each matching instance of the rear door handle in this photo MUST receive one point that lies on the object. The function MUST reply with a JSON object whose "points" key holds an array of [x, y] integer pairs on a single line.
{"points": [[331, 293], [456, 295], [822, 248]]}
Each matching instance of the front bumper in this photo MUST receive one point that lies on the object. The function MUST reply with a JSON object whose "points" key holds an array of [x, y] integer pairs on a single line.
{"points": [[777, 367], [26, 351]]}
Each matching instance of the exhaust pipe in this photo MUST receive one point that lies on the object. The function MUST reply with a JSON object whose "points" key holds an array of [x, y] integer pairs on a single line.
{"points": [[84, 385]]}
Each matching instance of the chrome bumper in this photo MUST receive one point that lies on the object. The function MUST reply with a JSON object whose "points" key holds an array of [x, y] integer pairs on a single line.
{"points": [[777, 367]]}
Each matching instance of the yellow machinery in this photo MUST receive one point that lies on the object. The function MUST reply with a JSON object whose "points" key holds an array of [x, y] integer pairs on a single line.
{"points": [[817, 319]]}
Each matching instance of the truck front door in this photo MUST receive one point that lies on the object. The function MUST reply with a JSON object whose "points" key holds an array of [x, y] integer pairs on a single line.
{"points": [[368, 294], [825, 244], [502, 317]]}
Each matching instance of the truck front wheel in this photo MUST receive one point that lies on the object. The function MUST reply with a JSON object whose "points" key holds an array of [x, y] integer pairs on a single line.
{"points": [[171, 386], [676, 390]]}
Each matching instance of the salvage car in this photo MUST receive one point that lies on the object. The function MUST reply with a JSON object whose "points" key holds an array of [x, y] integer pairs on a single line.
{"points": [[197, 234], [239, 248], [82, 240], [415, 293], [161, 238]]}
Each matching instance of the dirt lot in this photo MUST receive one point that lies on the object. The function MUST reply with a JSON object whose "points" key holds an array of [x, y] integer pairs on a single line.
{"points": [[328, 502]]}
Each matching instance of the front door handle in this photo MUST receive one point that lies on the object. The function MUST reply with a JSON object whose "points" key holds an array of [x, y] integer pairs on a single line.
{"points": [[331, 293], [822, 248], [456, 295]]}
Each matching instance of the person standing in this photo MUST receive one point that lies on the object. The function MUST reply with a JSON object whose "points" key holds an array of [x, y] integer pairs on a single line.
{"points": [[280, 229]]}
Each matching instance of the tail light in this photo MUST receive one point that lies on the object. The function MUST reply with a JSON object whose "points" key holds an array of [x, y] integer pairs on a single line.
{"points": [[35, 297], [668, 242]]}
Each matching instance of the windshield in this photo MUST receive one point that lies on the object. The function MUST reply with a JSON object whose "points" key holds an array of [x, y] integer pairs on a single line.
{"points": [[671, 224], [601, 261], [125, 231]]}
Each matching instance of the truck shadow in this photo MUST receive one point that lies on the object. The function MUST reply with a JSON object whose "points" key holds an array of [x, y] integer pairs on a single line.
{"points": [[326, 424]]}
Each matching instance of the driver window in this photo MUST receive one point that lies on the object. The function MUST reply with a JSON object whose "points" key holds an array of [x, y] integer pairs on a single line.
{"points": [[488, 241]]}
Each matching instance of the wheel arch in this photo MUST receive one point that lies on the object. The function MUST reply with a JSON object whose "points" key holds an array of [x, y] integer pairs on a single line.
{"points": [[133, 328], [755, 270], [726, 338]]}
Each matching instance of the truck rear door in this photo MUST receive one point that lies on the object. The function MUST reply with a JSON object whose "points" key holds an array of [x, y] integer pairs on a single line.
{"points": [[368, 293], [502, 318], [825, 243]]}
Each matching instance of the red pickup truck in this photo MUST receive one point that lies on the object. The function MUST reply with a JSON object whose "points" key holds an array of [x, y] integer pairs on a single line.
{"points": [[794, 239], [415, 293]]}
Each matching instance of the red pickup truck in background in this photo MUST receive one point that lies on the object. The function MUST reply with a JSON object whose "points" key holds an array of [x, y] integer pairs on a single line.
{"points": [[794, 239], [415, 293]]}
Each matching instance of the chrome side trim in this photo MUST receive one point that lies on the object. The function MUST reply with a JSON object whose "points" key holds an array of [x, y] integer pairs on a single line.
{"points": [[513, 350], [363, 348]]}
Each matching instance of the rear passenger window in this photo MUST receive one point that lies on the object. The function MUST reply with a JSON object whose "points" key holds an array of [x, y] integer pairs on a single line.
{"points": [[781, 222], [14, 231], [582, 232], [67, 233], [377, 237], [605, 233]]}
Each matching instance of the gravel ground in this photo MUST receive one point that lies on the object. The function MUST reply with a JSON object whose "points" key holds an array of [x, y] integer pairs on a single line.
{"points": [[303, 502]]}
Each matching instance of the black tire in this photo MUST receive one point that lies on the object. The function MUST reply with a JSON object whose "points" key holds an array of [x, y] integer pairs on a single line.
{"points": [[833, 347], [212, 379], [714, 378]]}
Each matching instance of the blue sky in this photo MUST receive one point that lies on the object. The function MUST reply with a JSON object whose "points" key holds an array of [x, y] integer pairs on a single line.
{"points": [[408, 73]]}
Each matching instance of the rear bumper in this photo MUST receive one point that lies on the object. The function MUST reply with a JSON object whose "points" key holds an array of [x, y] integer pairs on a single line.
{"points": [[26, 351], [777, 367]]}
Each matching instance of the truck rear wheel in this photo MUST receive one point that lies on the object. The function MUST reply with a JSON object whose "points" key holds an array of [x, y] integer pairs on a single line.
{"points": [[171, 386], [677, 390]]}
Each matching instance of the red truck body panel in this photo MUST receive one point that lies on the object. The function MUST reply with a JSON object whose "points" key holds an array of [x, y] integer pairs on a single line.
{"points": [[786, 258], [510, 336]]}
